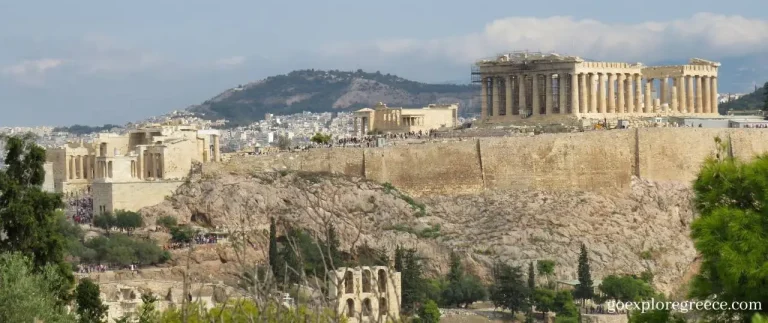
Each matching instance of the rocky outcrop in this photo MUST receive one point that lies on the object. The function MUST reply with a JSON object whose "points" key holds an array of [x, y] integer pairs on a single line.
{"points": [[646, 229]]}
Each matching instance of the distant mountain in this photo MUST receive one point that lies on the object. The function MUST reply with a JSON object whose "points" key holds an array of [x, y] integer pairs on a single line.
{"points": [[751, 101], [322, 91]]}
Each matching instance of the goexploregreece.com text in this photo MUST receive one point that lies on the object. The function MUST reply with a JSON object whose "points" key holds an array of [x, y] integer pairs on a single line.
{"points": [[682, 307]]}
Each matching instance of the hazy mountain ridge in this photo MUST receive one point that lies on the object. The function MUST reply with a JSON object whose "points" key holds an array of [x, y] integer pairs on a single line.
{"points": [[322, 91]]}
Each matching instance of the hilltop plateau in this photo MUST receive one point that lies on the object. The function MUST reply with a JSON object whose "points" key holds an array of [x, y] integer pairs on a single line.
{"points": [[643, 230], [322, 91]]}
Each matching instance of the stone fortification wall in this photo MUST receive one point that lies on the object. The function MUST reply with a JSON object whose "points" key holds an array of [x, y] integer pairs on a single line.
{"points": [[601, 161]]}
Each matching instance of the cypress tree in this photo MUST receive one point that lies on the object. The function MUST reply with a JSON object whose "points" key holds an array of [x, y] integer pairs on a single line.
{"points": [[275, 263], [584, 290], [531, 290]]}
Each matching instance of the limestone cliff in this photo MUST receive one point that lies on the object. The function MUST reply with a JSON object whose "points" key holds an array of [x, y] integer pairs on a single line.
{"points": [[646, 229]]}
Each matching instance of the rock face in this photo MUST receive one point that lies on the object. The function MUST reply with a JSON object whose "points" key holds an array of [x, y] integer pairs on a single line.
{"points": [[644, 230]]}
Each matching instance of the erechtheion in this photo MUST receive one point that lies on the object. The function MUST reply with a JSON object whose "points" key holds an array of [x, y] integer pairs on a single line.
{"points": [[385, 119], [522, 85]]}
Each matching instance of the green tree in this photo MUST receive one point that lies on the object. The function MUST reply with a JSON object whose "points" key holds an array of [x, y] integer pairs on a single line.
{"points": [[90, 309], [105, 221], [584, 289], [28, 214], [291, 255], [730, 232], [462, 290], [546, 268], [334, 252], [531, 289], [167, 221], [28, 292], [275, 262], [563, 304], [509, 290], [320, 138], [544, 299], [626, 288], [148, 312], [410, 266], [283, 142], [456, 271], [429, 312], [128, 220]]}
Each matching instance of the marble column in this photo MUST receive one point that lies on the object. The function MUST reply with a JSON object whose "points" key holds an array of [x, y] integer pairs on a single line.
{"points": [[495, 96], [707, 97], [648, 107], [638, 93], [673, 97], [583, 103], [484, 98], [611, 93], [622, 89], [630, 94], [562, 79], [689, 94], [592, 94], [67, 167], [699, 101], [574, 93], [140, 158], [81, 166], [548, 94], [535, 94], [508, 94], [663, 90], [714, 98], [216, 151], [680, 82], [521, 93], [601, 97]]}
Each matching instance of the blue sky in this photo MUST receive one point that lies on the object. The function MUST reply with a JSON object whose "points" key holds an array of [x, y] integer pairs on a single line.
{"points": [[94, 62]]}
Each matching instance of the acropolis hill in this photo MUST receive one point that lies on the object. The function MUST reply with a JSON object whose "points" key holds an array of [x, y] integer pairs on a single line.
{"points": [[599, 161]]}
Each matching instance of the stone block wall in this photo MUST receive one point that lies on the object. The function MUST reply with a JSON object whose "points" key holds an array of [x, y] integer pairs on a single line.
{"points": [[131, 196], [602, 161]]}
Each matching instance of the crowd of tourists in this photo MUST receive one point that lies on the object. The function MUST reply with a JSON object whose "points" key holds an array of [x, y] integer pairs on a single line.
{"points": [[80, 208], [200, 239], [602, 309]]}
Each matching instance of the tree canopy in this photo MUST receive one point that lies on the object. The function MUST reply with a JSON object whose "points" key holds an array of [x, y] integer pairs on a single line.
{"points": [[584, 289]]}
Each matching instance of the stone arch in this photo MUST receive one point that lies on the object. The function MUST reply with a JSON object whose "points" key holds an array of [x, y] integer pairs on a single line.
{"points": [[383, 308], [366, 281], [367, 309], [349, 282], [382, 281], [350, 311]]}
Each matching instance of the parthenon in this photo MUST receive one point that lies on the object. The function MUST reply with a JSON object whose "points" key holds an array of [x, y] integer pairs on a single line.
{"points": [[522, 85]]}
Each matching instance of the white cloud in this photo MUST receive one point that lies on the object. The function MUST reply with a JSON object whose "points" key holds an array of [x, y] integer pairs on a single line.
{"points": [[102, 54], [230, 61], [702, 35], [32, 72]]}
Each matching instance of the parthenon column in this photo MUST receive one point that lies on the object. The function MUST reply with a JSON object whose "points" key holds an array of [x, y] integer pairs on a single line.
{"points": [[699, 101], [82, 166], [140, 159], [592, 96], [535, 94], [673, 95], [622, 81], [216, 151], [601, 92], [521, 93], [680, 82], [548, 94], [562, 79], [611, 93], [638, 93], [648, 108], [508, 94], [495, 96], [67, 167], [630, 94], [574, 93], [484, 98], [689, 93], [583, 105], [714, 97], [707, 97], [663, 90]]}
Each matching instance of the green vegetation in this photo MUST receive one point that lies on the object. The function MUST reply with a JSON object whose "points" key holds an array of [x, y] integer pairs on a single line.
{"points": [[322, 89], [462, 289], [420, 208], [84, 130], [426, 233], [412, 284], [429, 312], [509, 291], [584, 290], [119, 249], [167, 222], [320, 138], [729, 234], [245, 310], [626, 288], [90, 309], [29, 291], [752, 101]]}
